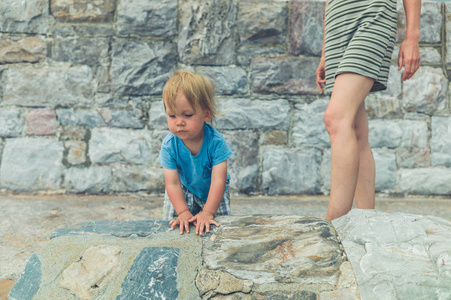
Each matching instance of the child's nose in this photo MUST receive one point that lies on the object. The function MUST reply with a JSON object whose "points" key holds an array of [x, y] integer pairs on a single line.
{"points": [[180, 122]]}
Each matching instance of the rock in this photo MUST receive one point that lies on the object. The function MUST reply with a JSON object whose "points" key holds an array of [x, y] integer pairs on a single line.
{"points": [[147, 73], [441, 141], [430, 22], [291, 171], [448, 31], [43, 86], [11, 122], [383, 248], [284, 75], [31, 164], [41, 121], [308, 124], [28, 284], [256, 114], [108, 146], [76, 152], [261, 26], [92, 180], [206, 34], [157, 116], [147, 18], [244, 163], [412, 158], [393, 134], [153, 275], [246, 257], [81, 50], [127, 119], [83, 11], [96, 268], [426, 91], [88, 118], [19, 16], [213, 282], [424, 181], [306, 27], [227, 80], [29, 49], [385, 169], [137, 178], [274, 249]]}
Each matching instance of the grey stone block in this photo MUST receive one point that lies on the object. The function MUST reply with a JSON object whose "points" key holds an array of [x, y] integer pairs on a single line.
{"points": [[308, 124], [88, 118], [441, 141], [386, 171], [58, 85], [258, 114], [30, 164], [425, 181], [108, 145], [82, 11], [155, 18], [11, 122], [29, 282], [262, 26], [306, 27], [243, 165], [153, 275], [227, 80], [147, 73], [81, 50], [291, 171], [426, 91], [17, 16], [93, 180], [118, 229], [206, 34], [284, 75]]}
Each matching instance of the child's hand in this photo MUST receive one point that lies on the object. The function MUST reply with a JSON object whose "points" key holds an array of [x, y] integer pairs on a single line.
{"points": [[203, 219], [183, 221]]}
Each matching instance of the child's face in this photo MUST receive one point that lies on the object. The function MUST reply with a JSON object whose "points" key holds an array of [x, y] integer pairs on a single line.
{"points": [[187, 123]]}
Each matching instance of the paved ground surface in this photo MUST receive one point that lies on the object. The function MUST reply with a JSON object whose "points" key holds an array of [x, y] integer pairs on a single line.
{"points": [[28, 220]]}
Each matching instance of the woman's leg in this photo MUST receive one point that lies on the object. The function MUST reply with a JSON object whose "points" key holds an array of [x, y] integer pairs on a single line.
{"points": [[365, 190], [349, 93]]}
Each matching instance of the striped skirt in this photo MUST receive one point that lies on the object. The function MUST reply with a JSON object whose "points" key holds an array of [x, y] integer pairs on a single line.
{"points": [[360, 36]]}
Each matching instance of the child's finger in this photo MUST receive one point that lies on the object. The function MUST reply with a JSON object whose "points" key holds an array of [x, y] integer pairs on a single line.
{"points": [[201, 229], [173, 223], [214, 222], [186, 227]]}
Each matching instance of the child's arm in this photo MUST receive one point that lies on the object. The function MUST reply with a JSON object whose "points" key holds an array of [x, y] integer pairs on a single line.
{"points": [[175, 194], [215, 195]]}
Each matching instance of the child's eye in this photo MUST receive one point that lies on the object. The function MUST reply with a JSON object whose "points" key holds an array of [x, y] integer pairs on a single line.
{"points": [[171, 116], [188, 115]]}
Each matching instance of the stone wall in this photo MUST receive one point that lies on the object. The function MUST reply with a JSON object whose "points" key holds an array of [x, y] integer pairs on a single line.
{"points": [[81, 111]]}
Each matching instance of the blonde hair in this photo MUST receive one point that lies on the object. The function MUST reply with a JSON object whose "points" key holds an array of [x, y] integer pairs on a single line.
{"points": [[198, 89]]}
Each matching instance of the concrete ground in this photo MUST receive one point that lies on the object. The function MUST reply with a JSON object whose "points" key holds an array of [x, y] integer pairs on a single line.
{"points": [[28, 220]]}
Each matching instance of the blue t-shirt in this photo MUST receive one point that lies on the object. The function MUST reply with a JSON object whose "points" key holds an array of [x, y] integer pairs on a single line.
{"points": [[195, 171]]}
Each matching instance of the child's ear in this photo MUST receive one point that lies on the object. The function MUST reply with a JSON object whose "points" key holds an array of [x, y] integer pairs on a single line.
{"points": [[207, 115]]}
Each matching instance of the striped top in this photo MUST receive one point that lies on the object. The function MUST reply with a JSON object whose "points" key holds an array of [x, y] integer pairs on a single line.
{"points": [[360, 37]]}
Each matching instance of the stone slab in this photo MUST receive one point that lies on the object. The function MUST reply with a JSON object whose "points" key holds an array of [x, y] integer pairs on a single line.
{"points": [[153, 275], [397, 256], [118, 229], [25, 233], [165, 260]]}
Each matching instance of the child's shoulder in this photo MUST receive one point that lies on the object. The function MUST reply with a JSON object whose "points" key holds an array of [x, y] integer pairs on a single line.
{"points": [[169, 139], [213, 132]]}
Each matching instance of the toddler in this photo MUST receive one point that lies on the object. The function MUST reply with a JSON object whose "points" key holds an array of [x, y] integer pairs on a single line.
{"points": [[193, 155]]}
